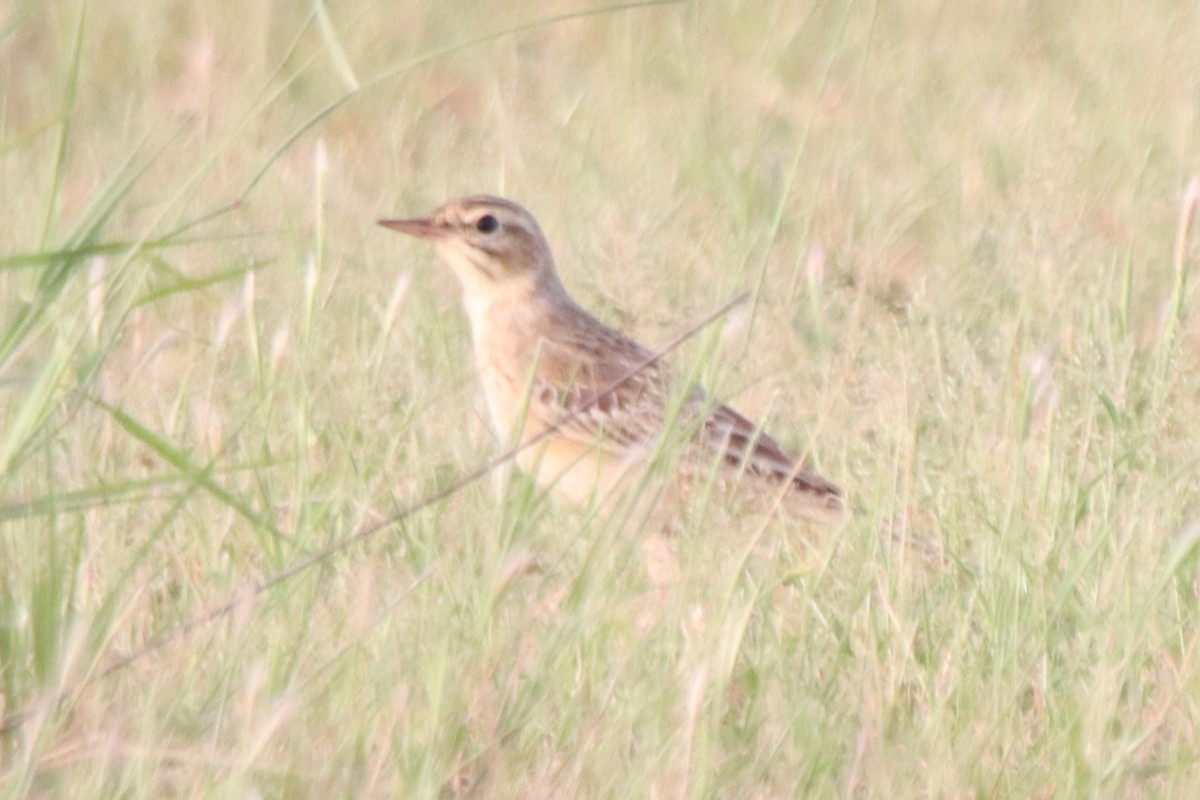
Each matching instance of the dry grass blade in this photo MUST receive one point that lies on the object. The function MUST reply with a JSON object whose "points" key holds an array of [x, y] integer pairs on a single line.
{"points": [[18, 716]]}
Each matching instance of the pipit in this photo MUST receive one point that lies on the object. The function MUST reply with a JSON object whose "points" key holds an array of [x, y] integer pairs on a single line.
{"points": [[592, 401]]}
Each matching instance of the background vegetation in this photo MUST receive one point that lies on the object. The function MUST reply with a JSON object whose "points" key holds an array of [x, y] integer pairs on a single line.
{"points": [[965, 228]]}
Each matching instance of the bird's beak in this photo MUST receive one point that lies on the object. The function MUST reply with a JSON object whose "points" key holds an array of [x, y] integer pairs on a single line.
{"points": [[421, 228]]}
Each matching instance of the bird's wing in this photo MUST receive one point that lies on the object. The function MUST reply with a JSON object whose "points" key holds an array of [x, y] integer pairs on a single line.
{"points": [[744, 447], [598, 387]]}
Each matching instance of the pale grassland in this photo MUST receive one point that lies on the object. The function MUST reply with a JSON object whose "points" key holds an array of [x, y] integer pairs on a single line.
{"points": [[961, 224]]}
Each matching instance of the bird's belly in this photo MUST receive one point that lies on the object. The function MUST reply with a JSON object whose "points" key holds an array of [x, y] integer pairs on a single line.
{"points": [[576, 472], [572, 470], [504, 402], [580, 474]]}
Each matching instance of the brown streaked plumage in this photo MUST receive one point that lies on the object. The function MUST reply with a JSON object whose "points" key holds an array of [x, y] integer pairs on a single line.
{"points": [[548, 364]]}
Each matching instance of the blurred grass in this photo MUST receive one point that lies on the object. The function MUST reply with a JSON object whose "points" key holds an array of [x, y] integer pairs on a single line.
{"points": [[967, 231]]}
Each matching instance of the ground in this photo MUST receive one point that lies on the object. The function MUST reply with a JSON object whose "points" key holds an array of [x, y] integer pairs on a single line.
{"points": [[239, 553]]}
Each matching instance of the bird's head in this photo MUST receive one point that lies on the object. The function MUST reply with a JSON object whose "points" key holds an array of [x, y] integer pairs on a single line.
{"points": [[492, 244]]}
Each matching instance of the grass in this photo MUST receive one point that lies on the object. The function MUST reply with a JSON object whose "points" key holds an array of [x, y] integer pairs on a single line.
{"points": [[970, 237]]}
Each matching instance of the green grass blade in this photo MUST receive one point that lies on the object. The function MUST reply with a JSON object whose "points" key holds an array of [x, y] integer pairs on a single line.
{"points": [[34, 408], [70, 93], [201, 475]]}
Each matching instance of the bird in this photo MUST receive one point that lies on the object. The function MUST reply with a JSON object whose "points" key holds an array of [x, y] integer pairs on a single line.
{"points": [[586, 404]]}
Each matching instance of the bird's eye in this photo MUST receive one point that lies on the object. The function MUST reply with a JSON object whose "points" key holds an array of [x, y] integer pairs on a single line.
{"points": [[487, 224]]}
